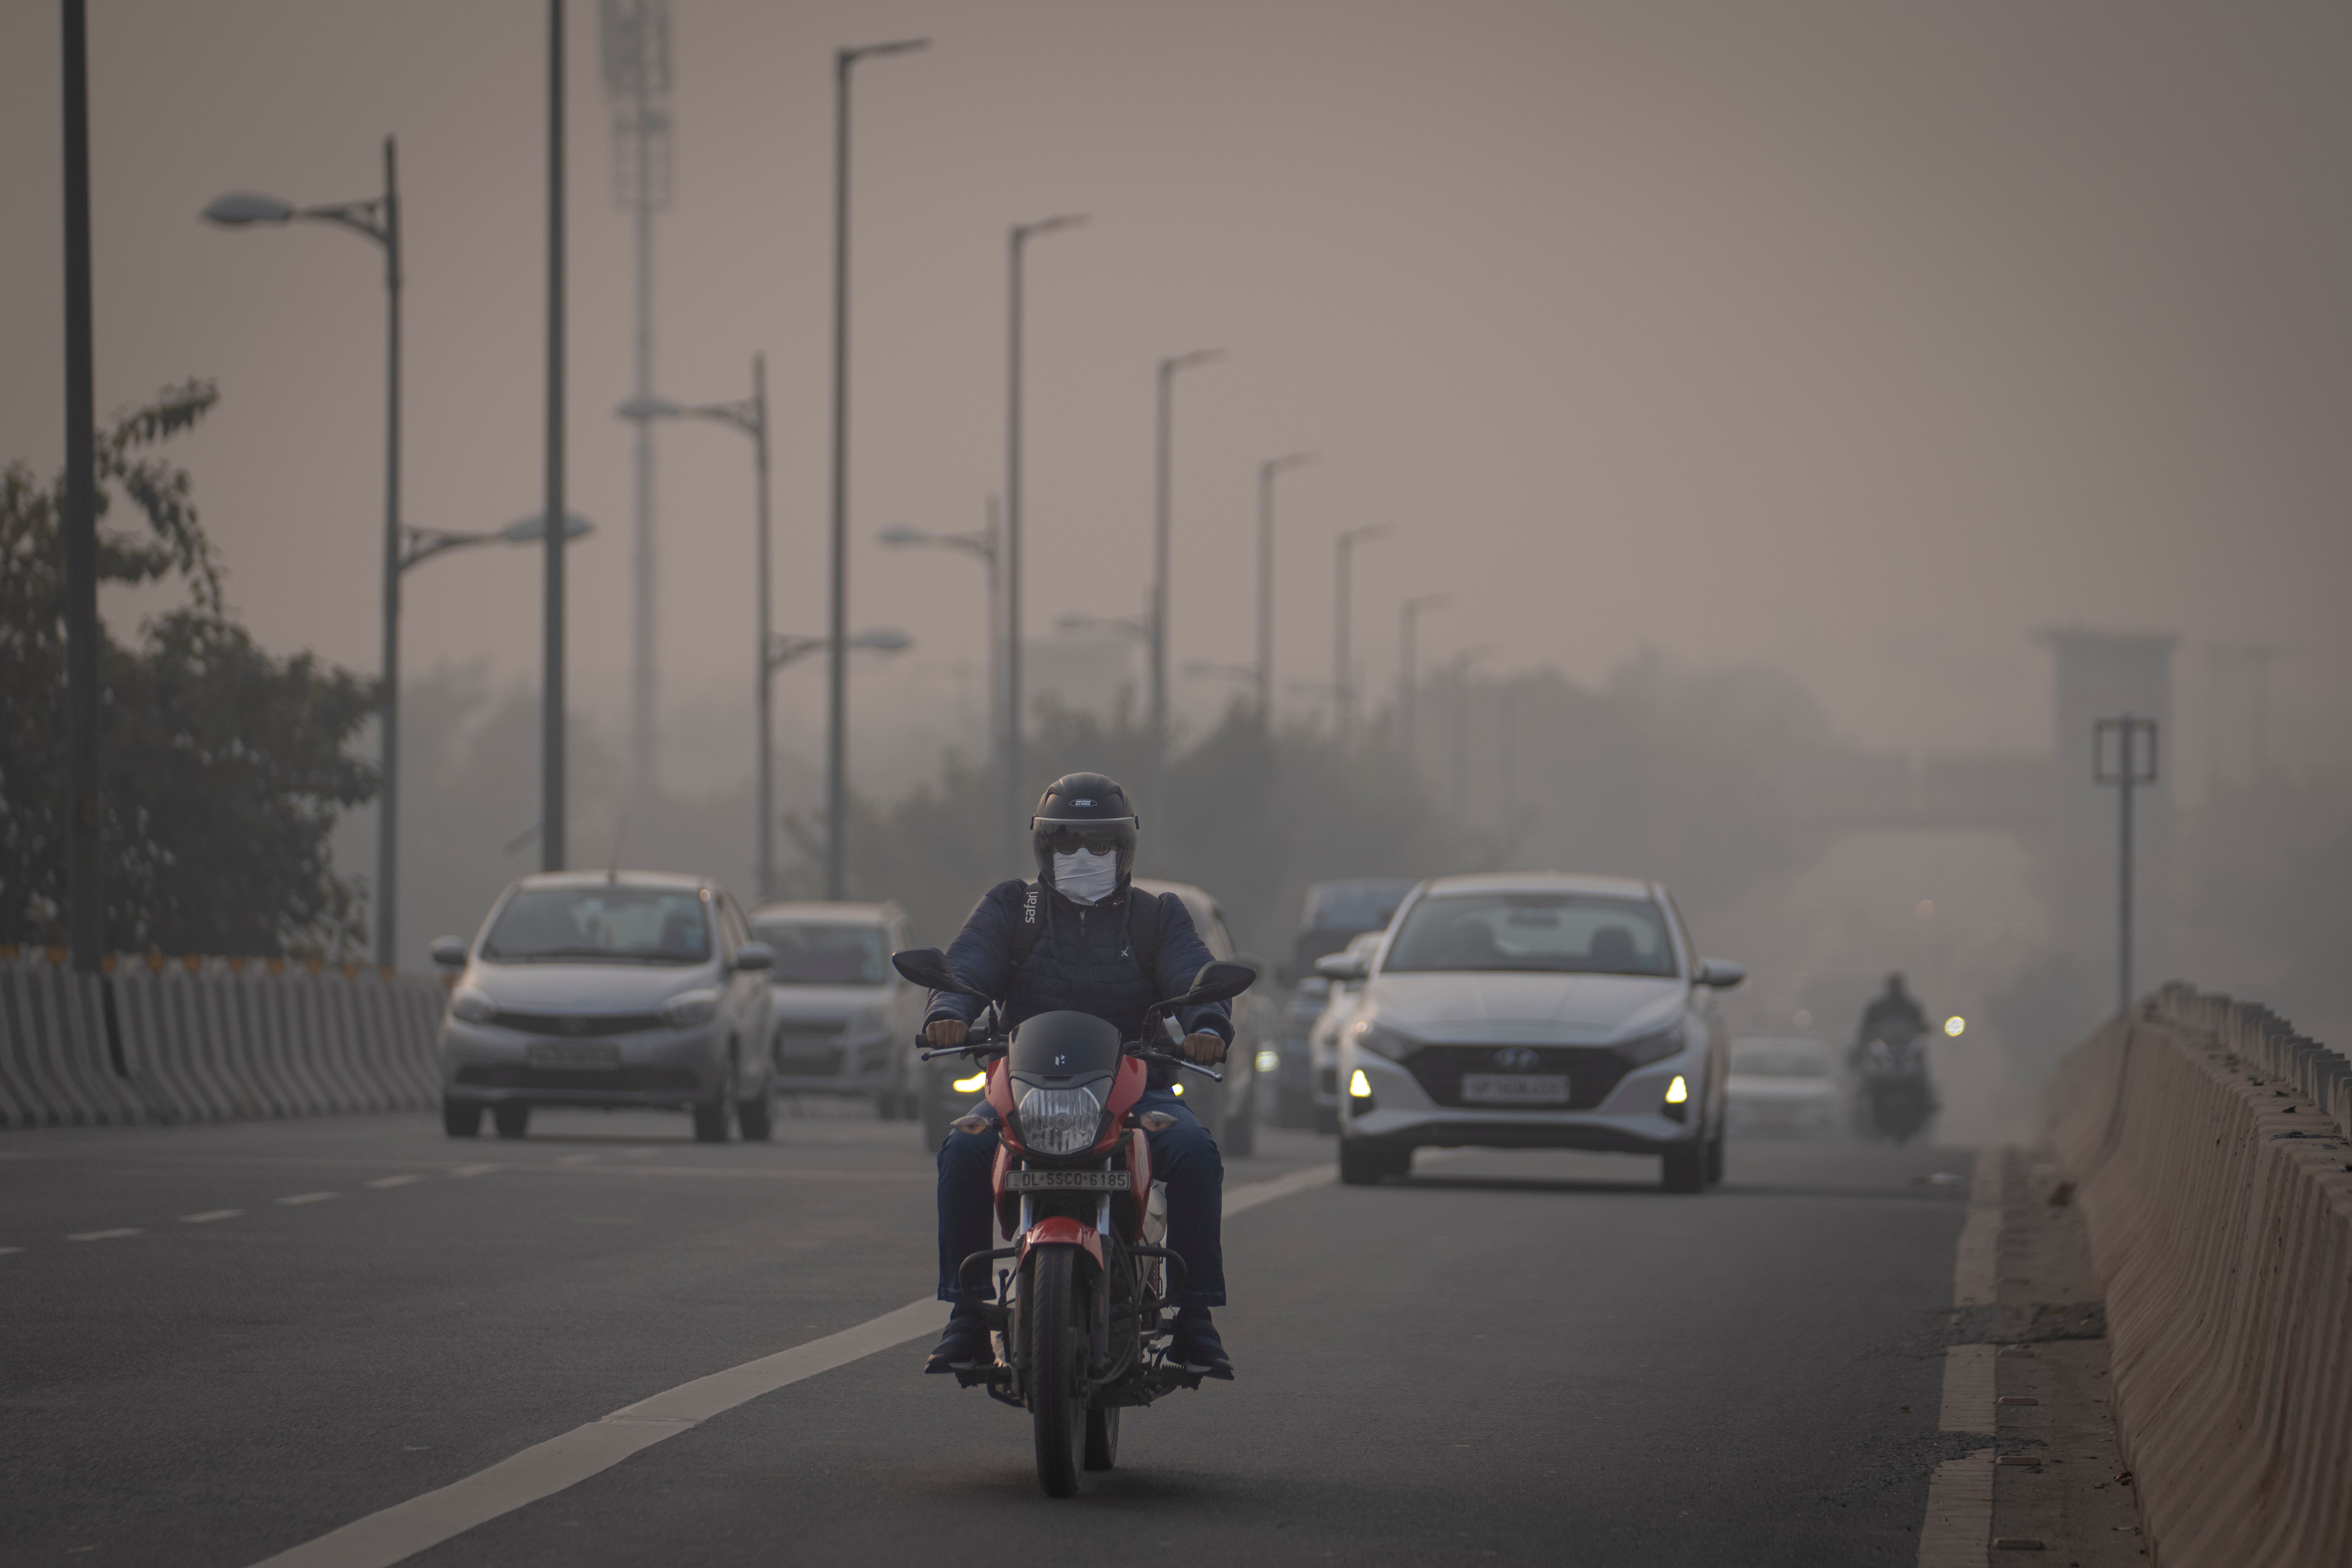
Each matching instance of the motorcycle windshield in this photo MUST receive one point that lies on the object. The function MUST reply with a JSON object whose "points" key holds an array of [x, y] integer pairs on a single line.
{"points": [[1064, 1048]]}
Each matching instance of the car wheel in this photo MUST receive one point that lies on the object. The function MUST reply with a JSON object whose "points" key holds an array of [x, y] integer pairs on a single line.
{"points": [[1364, 1160], [710, 1120], [1684, 1170], [510, 1119], [754, 1119], [1715, 1159], [461, 1117]]}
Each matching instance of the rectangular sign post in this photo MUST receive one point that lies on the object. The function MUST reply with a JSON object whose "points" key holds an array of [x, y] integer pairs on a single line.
{"points": [[2121, 757]]}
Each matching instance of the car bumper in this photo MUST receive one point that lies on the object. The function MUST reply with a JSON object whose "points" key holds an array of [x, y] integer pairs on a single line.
{"points": [[490, 1064], [1632, 1119]]}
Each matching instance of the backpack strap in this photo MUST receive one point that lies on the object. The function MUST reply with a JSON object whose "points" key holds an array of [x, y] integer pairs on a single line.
{"points": [[1030, 926], [1144, 913]]}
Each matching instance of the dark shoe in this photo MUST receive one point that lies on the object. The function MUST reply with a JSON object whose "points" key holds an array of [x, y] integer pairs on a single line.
{"points": [[963, 1346], [1195, 1347]]}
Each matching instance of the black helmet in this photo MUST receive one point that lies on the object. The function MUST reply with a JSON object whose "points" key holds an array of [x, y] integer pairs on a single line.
{"points": [[1084, 810]]}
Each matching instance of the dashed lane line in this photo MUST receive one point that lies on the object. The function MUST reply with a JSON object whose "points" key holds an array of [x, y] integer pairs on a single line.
{"points": [[306, 1199], [209, 1216], [380, 1183], [473, 1170], [405, 1528], [106, 1234], [6, 1250]]}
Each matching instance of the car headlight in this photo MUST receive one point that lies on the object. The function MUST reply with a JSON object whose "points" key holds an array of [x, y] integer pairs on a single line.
{"points": [[1651, 1048], [687, 1008], [1060, 1120], [1383, 1041], [471, 1006]]}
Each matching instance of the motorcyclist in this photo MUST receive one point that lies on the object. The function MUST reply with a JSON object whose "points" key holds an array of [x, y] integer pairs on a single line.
{"points": [[1892, 1010], [1071, 940]]}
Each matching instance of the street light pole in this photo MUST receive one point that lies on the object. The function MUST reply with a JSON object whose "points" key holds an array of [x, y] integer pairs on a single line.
{"points": [[1408, 691], [1343, 676], [2126, 774], [836, 722], [983, 544], [1267, 472], [1163, 461], [552, 824], [1017, 245], [85, 892]]}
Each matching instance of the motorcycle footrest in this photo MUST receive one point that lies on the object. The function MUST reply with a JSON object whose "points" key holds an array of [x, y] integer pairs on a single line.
{"points": [[996, 1372]]}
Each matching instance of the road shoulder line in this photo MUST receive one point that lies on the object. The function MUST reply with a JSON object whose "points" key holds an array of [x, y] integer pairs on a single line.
{"points": [[1958, 1528]]}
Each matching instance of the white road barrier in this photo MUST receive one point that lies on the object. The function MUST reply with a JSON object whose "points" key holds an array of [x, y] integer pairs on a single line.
{"points": [[160, 1041]]}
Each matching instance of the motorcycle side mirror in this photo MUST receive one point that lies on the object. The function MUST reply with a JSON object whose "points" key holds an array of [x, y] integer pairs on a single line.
{"points": [[928, 966], [1218, 980]]}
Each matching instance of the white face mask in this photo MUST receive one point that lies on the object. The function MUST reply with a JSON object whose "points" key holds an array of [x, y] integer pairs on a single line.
{"points": [[1086, 879]]}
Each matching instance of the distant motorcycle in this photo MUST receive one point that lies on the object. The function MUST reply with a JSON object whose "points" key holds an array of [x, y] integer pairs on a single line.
{"points": [[1084, 1294], [1895, 1099]]}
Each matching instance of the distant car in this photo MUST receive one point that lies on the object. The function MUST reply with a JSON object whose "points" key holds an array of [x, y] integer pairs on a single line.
{"points": [[1784, 1084], [1323, 1040], [1535, 1010], [1336, 913], [843, 1022], [619, 988], [1228, 1110]]}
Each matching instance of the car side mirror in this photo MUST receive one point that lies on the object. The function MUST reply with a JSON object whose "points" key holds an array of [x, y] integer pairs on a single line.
{"points": [[755, 955], [1218, 980], [1343, 966], [1721, 972], [927, 967], [448, 951]]}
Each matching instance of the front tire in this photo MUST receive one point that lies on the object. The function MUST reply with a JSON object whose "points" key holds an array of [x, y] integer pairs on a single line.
{"points": [[1102, 1438], [1056, 1341], [1715, 1159], [1684, 1170], [1363, 1162], [461, 1117], [754, 1119], [511, 1120]]}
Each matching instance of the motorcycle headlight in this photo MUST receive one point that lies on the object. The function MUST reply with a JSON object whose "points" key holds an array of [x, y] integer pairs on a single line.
{"points": [[687, 1008], [471, 1006], [1060, 1120], [1651, 1048], [1383, 1041]]}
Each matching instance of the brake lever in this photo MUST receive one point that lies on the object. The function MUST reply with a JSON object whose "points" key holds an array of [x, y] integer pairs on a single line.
{"points": [[1181, 1062]]}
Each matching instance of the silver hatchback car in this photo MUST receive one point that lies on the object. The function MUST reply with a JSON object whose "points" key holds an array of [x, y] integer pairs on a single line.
{"points": [[625, 988]]}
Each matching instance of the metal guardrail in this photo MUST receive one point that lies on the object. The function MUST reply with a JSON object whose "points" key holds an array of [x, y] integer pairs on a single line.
{"points": [[156, 1041]]}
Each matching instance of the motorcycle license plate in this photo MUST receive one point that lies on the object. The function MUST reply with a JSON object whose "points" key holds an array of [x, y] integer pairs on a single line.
{"points": [[583, 1055], [1513, 1088], [1066, 1180]]}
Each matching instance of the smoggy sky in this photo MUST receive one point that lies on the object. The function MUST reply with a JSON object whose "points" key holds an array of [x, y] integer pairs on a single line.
{"points": [[1865, 338]]}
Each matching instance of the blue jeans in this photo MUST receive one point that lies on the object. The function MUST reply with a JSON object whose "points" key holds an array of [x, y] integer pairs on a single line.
{"points": [[1184, 1155]]}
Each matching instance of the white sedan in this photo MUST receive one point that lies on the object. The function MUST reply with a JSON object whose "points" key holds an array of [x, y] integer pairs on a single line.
{"points": [[1535, 1010], [1785, 1084]]}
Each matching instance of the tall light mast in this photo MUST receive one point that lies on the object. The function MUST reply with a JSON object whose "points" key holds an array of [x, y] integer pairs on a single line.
{"points": [[637, 81]]}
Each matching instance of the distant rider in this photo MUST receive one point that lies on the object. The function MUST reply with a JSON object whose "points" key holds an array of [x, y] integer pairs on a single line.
{"points": [[1083, 924], [1894, 1015]]}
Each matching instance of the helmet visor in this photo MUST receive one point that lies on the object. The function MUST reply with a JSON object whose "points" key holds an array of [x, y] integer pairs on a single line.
{"points": [[1098, 836]]}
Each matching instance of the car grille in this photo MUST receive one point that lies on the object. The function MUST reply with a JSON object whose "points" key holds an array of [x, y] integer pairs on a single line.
{"points": [[1593, 1072], [624, 1080], [579, 1026]]}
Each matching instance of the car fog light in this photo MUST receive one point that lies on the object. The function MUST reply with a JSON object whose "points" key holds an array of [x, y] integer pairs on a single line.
{"points": [[1269, 1061], [972, 1085], [1361, 1087], [1677, 1092]]}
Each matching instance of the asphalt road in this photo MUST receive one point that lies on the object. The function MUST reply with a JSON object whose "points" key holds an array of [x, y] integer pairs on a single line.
{"points": [[1509, 1358]]}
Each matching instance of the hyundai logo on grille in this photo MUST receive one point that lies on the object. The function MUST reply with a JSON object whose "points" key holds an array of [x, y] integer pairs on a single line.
{"points": [[1517, 1058]]}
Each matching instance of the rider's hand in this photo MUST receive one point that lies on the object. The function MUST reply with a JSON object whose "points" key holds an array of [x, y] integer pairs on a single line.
{"points": [[946, 1034], [1204, 1047]]}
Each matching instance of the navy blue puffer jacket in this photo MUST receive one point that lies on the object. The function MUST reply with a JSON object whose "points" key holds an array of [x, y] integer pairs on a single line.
{"points": [[1082, 963]]}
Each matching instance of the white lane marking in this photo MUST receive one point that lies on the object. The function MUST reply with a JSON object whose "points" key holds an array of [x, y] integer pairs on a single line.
{"points": [[573, 1158], [545, 1469], [306, 1199], [473, 1170], [383, 1182], [106, 1234], [209, 1216], [1958, 1528], [6, 1250]]}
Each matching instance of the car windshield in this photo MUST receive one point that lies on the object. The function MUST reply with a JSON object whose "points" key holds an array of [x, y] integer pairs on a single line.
{"points": [[603, 924], [1550, 932], [811, 954], [1775, 1060]]}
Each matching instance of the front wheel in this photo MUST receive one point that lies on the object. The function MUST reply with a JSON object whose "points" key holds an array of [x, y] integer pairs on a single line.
{"points": [[461, 1117], [1684, 1170], [512, 1119], [1364, 1160], [1102, 1438], [755, 1118], [1058, 1345], [1715, 1159]]}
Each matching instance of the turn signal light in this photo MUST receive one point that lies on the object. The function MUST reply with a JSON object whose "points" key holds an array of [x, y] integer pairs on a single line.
{"points": [[1175, 1089], [972, 1085], [1679, 1091], [1361, 1087]]}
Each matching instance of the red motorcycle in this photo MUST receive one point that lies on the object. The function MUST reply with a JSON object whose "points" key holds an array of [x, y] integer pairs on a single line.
{"points": [[1081, 1299]]}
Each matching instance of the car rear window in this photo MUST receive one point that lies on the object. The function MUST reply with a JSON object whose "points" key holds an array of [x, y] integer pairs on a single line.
{"points": [[604, 924], [1549, 932], [809, 953]]}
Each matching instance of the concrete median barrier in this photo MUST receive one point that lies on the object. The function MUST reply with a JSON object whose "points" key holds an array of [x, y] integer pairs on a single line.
{"points": [[158, 1041], [2206, 1142]]}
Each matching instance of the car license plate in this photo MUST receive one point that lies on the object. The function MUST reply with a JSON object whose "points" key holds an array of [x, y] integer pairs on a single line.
{"points": [[1066, 1180], [582, 1054], [1513, 1088]]}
